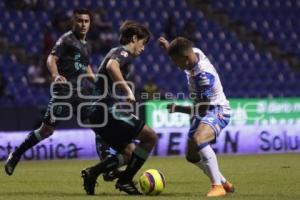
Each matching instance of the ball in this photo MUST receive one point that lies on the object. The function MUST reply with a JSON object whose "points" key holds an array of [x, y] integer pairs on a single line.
{"points": [[152, 182]]}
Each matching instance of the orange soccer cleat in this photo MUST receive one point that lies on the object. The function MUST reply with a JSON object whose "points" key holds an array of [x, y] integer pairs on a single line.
{"points": [[228, 187], [216, 191]]}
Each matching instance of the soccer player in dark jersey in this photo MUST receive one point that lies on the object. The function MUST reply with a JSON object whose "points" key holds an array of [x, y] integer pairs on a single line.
{"points": [[68, 60], [121, 127]]}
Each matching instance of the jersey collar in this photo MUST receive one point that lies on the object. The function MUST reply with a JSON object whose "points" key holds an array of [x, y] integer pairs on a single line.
{"points": [[82, 41], [195, 69]]}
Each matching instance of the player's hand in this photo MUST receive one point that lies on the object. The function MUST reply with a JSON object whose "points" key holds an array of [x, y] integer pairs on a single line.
{"points": [[60, 79], [171, 107], [163, 43], [130, 97]]}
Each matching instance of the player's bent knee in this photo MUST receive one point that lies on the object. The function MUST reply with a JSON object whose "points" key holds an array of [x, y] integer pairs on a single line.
{"points": [[192, 159], [45, 131], [153, 137], [148, 136]]}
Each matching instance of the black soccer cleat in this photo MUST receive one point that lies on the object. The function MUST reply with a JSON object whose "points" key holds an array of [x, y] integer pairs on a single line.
{"points": [[128, 187], [11, 163], [112, 175], [89, 182]]}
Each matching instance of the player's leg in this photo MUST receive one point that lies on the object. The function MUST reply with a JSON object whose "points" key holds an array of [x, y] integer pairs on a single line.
{"points": [[46, 129], [203, 135], [31, 140], [129, 149], [193, 157], [135, 161], [217, 121], [192, 154], [112, 175], [148, 139], [109, 161], [103, 150], [122, 128]]}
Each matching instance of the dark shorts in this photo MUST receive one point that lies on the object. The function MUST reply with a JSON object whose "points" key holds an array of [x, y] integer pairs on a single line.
{"points": [[63, 109], [120, 129]]}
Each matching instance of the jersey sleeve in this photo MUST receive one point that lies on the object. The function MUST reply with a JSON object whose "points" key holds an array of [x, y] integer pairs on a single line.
{"points": [[58, 48], [122, 57], [205, 82]]}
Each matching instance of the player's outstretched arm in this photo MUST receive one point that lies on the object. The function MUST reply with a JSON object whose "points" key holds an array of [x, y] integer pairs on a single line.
{"points": [[52, 67], [113, 69], [172, 108], [163, 42], [199, 109]]}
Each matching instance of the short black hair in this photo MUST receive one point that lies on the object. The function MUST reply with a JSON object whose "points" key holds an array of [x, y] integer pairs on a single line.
{"points": [[83, 11], [178, 46], [130, 28]]}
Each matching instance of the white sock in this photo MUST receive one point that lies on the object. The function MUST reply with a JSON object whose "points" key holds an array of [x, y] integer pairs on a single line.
{"points": [[210, 164], [200, 164], [223, 179]]}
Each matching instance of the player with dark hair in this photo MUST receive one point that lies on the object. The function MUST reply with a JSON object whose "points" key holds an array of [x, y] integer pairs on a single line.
{"points": [[121, 127], [210, 113], [68, 60]]}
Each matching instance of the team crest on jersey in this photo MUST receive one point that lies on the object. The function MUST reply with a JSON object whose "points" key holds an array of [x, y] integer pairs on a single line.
{"points": [[203, 79], [124, 53]]}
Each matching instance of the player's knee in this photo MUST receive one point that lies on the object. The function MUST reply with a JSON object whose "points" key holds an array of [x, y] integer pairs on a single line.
{"points": [[192, 159], [45, 131], [148, 136], [152, 137]]}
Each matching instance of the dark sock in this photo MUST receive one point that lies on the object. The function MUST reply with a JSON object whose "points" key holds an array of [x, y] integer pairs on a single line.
{"points": [[108, 164], [29, 142], [138, 158]]}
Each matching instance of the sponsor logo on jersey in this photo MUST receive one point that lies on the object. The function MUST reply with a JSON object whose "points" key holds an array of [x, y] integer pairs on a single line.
{"points": [[124, 53], [203, 79]]}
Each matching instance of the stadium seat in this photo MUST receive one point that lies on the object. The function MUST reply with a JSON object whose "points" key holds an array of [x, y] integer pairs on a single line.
{"points": [[238, 63]]}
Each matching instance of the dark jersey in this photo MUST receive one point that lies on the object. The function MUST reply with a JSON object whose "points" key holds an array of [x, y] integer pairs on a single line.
{"points": [[73, 56], [122, 127], [124, 58]]}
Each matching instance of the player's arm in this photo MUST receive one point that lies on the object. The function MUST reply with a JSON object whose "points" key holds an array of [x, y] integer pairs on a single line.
{"points": [[199, 109], [113, 69], [90, 73], [52, 67], [172, 108], [163, 42]]}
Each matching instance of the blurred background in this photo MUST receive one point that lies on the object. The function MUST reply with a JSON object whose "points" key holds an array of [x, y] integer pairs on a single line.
{"points": [[253, 44]]}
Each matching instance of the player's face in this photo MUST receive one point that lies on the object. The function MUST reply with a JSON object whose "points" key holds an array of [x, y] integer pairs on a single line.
{"points": [[138, 46], [184, 61], [82, 23]]}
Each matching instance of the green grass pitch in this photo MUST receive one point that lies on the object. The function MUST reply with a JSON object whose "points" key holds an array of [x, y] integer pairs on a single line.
{"points": [[267, 177]]}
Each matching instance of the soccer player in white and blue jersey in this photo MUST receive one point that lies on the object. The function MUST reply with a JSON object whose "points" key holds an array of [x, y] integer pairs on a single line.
{"points": [[210, 113]]}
